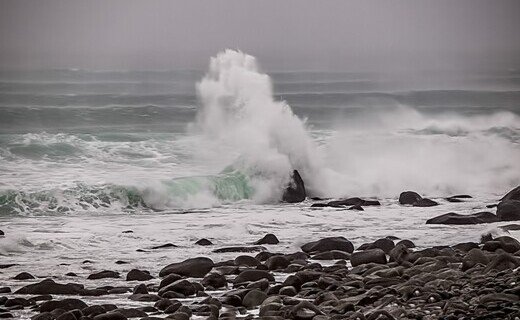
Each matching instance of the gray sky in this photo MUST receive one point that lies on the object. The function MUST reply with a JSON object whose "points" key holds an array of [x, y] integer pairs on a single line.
{"points": [[329, 35]]}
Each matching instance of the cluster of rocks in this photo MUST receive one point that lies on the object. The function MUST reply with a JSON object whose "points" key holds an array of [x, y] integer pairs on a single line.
{"points": [[327, 279]]}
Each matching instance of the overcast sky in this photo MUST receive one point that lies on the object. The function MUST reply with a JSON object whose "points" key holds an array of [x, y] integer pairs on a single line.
{"points": [[328, 35]]}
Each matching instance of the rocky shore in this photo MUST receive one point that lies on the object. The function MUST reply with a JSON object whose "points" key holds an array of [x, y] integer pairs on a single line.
{"points": [[328, 278]]}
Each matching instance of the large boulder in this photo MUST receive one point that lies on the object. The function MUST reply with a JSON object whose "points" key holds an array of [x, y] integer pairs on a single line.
{"points": [[368, 256], [512, 195], [328, 244], [48, 286], [508, 210], [138, 275], [194, 267], [409, 197], [295, 191], [458, 219], [65, 304]]}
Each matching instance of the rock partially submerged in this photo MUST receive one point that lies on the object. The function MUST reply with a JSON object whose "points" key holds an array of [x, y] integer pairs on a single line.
{"points": [[461, 219], [509, 210], [48, 286], [295, 191], [328, 244], [414, 199], [512, 195]]}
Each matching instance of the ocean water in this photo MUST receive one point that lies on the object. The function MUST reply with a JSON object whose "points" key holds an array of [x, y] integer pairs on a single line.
{"points": [[179, 155]]}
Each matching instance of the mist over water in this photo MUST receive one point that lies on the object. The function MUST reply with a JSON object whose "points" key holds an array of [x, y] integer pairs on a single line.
{"points": [[166, 140]]}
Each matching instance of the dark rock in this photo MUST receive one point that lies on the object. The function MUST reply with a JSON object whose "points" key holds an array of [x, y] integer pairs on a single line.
{"points": [[368, 256], [459, 219], [132, 312], [138, 275], [356, 202], [127, 231], [180, 286], [240, 249], [104, 274], [48, 286], [288, 291], [5, 290], [384, 244], [71, 315], [140, 289], [144, 297], [277, 262], [246, 261], [268, 239], [512, 195], [466, 246], [319, 205], [472, 258], [406, 243], [17, 302], [502, 262], [425, 202], [253, 298], [328, 244], [203, 242], [23, 276], [71, 274], [508, 210], [1, 233], [171, 278], [164, 246], [65, 304], [331, 255], [357, 208], [194, 267], [9, 265], [295, 191], [214, 280], [409, 197], [510, 227], [113, 315], [121, 262], [253, 275]]}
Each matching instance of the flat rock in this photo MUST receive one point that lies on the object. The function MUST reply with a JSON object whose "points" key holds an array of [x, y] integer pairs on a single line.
{"points": [[295, 191], [104, 274], [240, 249], [368, 256], [460, 219], [425, 202], [249, 275], [65, 304]]}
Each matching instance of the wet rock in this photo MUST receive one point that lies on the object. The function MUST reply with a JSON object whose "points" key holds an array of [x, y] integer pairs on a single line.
{"points": [[1, 233], [140, 289], [246, 261], [23, 276], [5, 290], [203, 242], [368, 256], [502, 262], [65, 304], [113, 315], [331, 255], [48, 286], [253, 298], [472, 258], [508, 210], [179, 316], [512, 195], [406, 243], [104, 274], [12, 302], [506, 243], [277, 262], [355, 202], [328, 244], [466, 246], [409, 197], [268, 239], [180, 286], [253, 275], [138, 275], [194, 267], [357, 208], [295, 191], [171, 278], [240, 249], [288, 291], [132, 312], [144, 297], [460, 219], [214, 280], [425, 202], [164, 246]]}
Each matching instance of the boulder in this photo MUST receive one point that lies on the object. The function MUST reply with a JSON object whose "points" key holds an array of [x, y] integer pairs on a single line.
{"points": [[194, 267], [247, 261], [48, 286], [425, 202], [508, 210], [253, 298], [65, 304], [113, 315], [23, 276], [138, 275], [203, 242], [103, 274], [328, 244], [409, 197], [180, 286], [512, 195], [472, 258], [240, 249], [368, 256], [277, 262], [460, 219], [268, 239], [215, 280], [249, 275], [295, 191]]}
